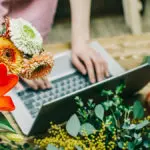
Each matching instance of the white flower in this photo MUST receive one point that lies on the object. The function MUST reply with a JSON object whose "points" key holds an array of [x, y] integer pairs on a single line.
{"points": [[25, 37]]}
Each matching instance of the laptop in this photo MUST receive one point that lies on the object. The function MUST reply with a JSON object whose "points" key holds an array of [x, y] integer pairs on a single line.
{"points": [[36, 109]]}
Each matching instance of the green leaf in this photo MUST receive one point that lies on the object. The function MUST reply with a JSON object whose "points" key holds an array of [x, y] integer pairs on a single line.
{"points": [[87, 129], [120, 145], [107, 104], [99, 111], [118, 113], [127, 136], [117, 100], [73, 125], [136, 136], [78, 147], [119, 89], [131, 146], [2, 29], [142, 124], [130, 127], [14, 137], [138, 141], [91, 103], [146, 60], [51, 147], [138, 110], [107, 93], [79, 101], [5, 125], [146, 144]]}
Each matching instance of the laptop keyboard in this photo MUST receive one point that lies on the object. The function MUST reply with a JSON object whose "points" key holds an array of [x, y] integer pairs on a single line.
{"points": [[33, 100]]}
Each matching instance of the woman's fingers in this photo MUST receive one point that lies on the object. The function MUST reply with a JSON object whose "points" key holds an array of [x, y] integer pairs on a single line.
{"points": [[89, 66], [99, 68], [78, 64], [41, 83], [92, 63], [46, 82], [31, 84]]}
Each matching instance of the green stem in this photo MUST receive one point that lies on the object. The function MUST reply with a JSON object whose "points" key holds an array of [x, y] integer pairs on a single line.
{"points": [[116, 122]]}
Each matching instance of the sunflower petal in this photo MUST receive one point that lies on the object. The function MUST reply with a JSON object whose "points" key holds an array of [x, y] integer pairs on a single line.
{"points": [[12, 81], [6, 103]]}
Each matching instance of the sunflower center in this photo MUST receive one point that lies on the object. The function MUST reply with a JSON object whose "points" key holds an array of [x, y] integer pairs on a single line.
{"points": [[29, 31], [39, 68], [9, 54]]}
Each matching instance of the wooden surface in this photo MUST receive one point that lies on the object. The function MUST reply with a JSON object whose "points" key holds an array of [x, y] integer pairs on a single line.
{"points": [[127, 50]]}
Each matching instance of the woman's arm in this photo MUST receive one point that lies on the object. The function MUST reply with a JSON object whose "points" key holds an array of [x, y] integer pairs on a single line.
{"points": [[80, 10], [4, 9], [83, 57]]}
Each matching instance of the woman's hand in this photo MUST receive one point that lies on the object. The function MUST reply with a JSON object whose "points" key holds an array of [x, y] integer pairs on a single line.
{"points": [[85, 59], [41, 83], [90, 62]]}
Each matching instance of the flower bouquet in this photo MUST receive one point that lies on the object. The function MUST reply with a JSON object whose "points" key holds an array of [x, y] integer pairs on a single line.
{"points": [[21, 54], [21, 49]]}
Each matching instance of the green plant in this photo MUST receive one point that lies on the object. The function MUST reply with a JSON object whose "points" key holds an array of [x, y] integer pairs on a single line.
{"points": [[109, 125]]}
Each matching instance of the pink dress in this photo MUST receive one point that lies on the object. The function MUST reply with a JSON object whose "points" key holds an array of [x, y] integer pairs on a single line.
{"points": [[39, 12]]}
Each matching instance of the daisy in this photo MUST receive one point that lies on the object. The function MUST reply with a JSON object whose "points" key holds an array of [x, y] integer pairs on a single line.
{"points": [[25, 37]]}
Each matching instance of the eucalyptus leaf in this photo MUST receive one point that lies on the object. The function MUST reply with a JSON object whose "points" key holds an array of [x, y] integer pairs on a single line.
{"points": [[131, 146], [138, 141], [5, 125], [99, 111], [73, 125], [120, 145], [142, 124], [78, 147], [136, 136], [125, 126], [138, 110], [131, 127], [127, 136], [87, 129], [146, 144], [51, 147]]}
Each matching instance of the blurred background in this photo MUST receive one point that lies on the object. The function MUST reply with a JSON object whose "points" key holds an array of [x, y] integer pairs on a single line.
{"points": [[107, 19]]}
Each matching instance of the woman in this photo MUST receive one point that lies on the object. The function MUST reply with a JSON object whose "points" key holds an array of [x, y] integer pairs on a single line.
{"points": [[41, 13]]}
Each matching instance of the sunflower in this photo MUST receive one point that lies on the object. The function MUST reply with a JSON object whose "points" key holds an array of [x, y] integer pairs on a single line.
{"points": [[10, 55], [37, 67]]}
